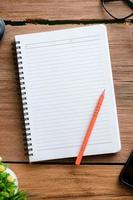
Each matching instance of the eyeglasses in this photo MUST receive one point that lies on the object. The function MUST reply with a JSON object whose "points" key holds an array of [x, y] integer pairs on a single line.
{"points": [[118, 9]]}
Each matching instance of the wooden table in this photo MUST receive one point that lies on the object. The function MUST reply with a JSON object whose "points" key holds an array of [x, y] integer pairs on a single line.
{"points": [[97, 177]]}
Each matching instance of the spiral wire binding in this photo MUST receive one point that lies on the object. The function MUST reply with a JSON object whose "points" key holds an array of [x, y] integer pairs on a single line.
{"points": [[24, 99]]}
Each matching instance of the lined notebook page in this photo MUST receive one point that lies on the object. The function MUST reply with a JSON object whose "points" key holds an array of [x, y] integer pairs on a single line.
{"points": [[65, 72]]}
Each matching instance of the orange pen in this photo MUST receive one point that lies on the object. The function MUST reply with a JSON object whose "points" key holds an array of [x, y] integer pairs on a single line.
{"points": [[90, 128]]}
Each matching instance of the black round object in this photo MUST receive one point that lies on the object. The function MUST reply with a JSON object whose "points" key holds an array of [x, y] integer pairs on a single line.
{"points": [[2, 28]]}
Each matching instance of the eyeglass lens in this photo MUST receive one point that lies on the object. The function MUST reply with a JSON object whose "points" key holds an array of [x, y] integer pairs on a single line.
{"points": [[119, 8]]}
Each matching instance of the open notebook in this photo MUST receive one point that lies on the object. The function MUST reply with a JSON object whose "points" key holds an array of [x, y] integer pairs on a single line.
{"points": [[62, 73]]}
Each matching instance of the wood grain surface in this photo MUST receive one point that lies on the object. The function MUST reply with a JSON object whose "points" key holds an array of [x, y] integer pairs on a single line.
{"points": [[60, 179], [11, 118], [53, 10], [63, 182]]}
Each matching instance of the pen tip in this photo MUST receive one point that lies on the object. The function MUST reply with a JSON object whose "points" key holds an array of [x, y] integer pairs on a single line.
{"points": [[103, 92]]}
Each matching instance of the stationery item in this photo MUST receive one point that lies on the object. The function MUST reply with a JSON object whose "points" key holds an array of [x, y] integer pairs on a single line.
{"points": [[90, 128], [61, 75]]}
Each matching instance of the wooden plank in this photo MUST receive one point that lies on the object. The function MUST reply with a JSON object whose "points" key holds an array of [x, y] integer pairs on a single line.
{"points": [[11, 120], [71, 182], [53, 10]]}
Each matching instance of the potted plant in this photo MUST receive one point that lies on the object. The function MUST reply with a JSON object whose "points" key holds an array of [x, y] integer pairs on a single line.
{"points": [[9, 189]]}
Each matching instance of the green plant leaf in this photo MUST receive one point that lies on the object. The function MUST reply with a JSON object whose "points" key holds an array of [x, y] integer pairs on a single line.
{"points": [[8, 189]]}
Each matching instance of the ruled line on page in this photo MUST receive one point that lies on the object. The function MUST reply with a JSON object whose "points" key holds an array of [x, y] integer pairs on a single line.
{"points": [[56, 53], [81, 56], [72, 146], [62, 42], [76, 47]]}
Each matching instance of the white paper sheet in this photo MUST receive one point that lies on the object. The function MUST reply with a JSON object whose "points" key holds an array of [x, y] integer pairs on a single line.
{"points": [[65, 72]]}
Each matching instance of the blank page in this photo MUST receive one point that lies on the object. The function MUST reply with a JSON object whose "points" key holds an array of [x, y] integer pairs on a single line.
{"points": [[65, 72]]}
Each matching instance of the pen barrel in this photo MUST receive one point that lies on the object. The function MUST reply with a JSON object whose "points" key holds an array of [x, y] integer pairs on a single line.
{"points": [[90, 128]]}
